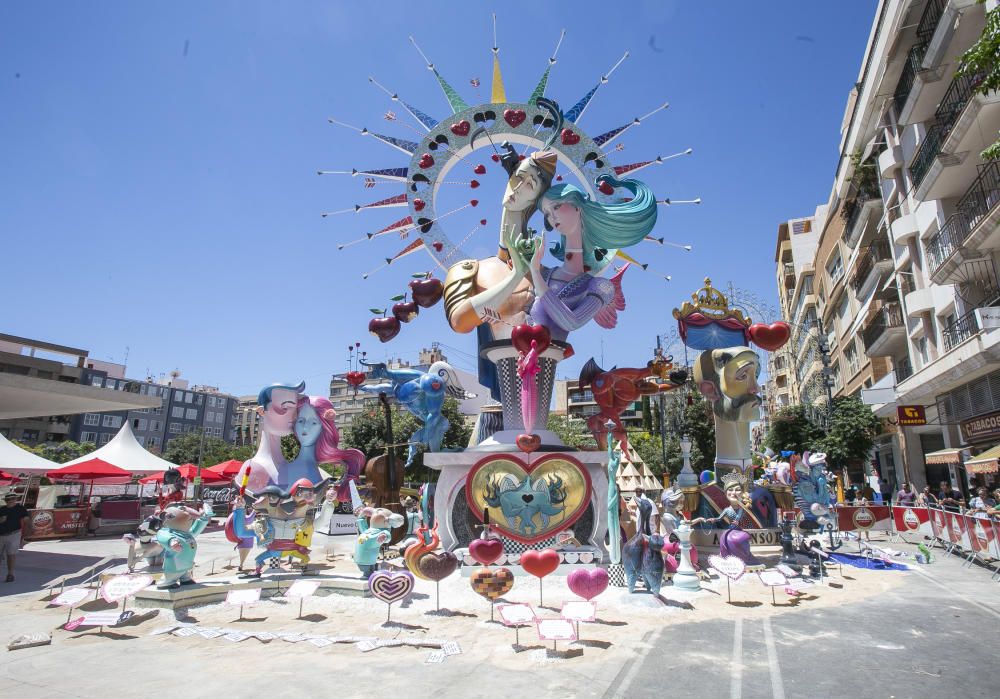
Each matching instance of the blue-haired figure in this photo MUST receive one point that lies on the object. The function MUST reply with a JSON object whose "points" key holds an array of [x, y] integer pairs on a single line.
{"points": [[569, 296], [422, 394], [278, 408]]}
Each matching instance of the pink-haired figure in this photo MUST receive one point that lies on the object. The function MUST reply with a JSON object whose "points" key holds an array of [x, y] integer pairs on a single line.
{"points": [[319, 443], [319, 440]]}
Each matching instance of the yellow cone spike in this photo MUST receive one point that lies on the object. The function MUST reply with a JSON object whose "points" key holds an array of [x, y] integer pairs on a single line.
{"points": [[499, 93], [628, 258]]}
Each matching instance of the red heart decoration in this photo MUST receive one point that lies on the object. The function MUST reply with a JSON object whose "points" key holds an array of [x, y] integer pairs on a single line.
{"points": [[495, 158], [540, 563], [419, 204], [770, 337], [479, 169], [482, 222], [569, 138], [606, 188], [528, 442], [514, 117], [438, 246], [568, 352], [461, 128], [474, 202], [355, 378], [558, 178], [523, 334], [474, 184], [426, 161], [486, 551]]}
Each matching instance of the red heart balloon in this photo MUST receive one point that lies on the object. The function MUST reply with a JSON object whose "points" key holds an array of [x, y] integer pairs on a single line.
{"points": [[486, 551], [419, 204], [523, 334], [770, 337], [426, 161], [606, 188], [495, 158], [355, 378], [438, 246], [569, 138], [474, 184], [514, 117], [479, 169], [540, 563], [528, 442], [461, 128], [474, 202], [482, 222]]}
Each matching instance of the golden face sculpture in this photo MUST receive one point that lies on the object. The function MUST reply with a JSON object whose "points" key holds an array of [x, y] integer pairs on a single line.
{"points": [[728, 379]]}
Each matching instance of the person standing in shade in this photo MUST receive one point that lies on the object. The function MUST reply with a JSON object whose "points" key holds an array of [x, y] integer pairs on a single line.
{"points": [[950, 498], [907, 496], [926, 498], [12, 516]]}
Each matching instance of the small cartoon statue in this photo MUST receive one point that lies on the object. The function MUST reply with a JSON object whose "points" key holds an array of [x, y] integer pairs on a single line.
{"points": [[181, 524], [642, 553], [375, 527], [734, 541], [671, 499], [143, 544], [812, 496], [283, 524], [245, 543]]}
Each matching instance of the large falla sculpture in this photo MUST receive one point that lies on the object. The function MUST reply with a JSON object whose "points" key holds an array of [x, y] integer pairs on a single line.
{"points": [[725, 373], [567, 216]]}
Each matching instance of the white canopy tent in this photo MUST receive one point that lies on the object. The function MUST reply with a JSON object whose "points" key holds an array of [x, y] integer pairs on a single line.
{"points": [[15, 460], [125, 452]]}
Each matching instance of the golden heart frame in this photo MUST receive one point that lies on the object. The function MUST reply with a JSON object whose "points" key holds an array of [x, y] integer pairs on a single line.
{"points": [[574, 487]]}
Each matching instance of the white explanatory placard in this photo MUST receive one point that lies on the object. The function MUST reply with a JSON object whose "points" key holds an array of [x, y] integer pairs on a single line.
{"points": [[772, 578], [71, 597], [579, 611], [516, 614], [122, 586], [239, 598], [302, 588], [556, 630]]}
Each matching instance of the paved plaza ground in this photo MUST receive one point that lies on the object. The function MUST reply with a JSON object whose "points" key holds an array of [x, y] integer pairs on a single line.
{"points": [[926, 632]]}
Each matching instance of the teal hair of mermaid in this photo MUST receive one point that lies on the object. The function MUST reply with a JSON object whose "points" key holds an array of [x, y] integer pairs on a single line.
{"points": [[607, 227]]}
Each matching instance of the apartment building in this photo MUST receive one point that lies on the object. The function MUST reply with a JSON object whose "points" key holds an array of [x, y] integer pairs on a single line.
{"points": [[789, 368], [246, 422], [182, 409], [905, 262]]}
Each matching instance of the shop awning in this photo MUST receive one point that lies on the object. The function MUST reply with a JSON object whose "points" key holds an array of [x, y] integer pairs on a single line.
{"points": [[987, 462], [944, 456], [189, 472]]}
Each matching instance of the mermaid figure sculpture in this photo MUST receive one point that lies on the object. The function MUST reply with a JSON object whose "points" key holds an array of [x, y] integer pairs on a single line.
{"points": [[319, 443], [422, 394], [569, 296]]}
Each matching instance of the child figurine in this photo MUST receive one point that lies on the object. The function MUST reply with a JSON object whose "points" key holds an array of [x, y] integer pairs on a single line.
{"points": [[375, 527]]}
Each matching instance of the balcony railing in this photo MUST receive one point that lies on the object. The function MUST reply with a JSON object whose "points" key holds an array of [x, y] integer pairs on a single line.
{"points": [[929, 19], [960, 331], [909, 75], [977, 202], [852, 208], [889, 316], [959, 92], [903, 370], [876, 252]]}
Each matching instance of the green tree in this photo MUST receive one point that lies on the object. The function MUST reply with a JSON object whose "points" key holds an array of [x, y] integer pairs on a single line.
{"points": [[853, 428], [367, 433], [650, 450], [61, 452], [289, 447], [699, 422], [791, 430], [983, 59], [572, 432], [186, 449]]}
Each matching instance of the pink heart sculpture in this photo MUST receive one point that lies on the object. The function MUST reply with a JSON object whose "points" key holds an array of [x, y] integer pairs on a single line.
{"points": [[540, 563], [730, 566], [588, 582], [391, 585], [486, 551]]}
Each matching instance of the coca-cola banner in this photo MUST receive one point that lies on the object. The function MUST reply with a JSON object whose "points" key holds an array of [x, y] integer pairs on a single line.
{"points": [[866, 518], [912, 520]]}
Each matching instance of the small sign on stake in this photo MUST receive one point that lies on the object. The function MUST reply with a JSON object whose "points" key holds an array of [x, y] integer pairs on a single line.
{"points": [[555, 630], [302, 589], [516, 616], [241, 598]]}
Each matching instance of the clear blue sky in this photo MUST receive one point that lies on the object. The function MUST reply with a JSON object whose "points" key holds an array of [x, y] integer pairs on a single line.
{"points": [[158, 162]]}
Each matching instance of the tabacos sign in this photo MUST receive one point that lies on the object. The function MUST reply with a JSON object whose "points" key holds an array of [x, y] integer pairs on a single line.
{"points": [[982, 428]]}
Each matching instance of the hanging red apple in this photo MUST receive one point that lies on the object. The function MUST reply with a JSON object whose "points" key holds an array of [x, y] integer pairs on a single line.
{"points": [[426, 290]]}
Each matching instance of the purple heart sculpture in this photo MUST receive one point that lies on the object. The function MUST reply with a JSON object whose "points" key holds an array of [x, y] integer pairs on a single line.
{"points": [[437, 566], [391, 586], [588, 582]]}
